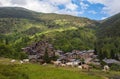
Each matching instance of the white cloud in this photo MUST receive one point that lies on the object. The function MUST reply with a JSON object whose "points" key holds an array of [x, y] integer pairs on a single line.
{"points": [[83, 5], [103, 18], [110, 6], [71, 6], [46, 6], [65, 11], [92, 11], [98, 1], [40, 6], [59, 1], [20, 2], [5, 2]]}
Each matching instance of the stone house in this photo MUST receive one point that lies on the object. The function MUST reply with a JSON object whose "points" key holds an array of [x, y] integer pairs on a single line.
{"points": [[77, 55], [37, 51]]}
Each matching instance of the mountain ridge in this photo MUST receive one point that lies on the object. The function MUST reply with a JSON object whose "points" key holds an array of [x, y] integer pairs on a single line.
{"points": [[28, 17]]}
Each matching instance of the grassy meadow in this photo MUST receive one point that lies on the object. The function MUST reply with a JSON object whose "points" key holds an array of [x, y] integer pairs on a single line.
{"points": [[35, 71]]}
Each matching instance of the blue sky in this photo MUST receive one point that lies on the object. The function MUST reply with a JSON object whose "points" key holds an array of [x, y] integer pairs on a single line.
{"points": [[93, 9]]}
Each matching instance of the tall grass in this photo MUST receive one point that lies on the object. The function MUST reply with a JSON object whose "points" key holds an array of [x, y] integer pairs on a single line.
{"points": [[51, 72]]}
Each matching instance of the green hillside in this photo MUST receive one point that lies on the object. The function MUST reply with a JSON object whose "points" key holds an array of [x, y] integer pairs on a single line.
{"points": [[108, 43], [20, 27], [69, 39], [20, 19]]}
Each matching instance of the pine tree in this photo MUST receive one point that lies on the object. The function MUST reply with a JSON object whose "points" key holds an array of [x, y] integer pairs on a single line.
{"points": [[46, 56]]}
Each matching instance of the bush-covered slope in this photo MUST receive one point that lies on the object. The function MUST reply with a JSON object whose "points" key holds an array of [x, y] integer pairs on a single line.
{"points": [[13, 18], [69, 39], [108, 43], [20, 27]]}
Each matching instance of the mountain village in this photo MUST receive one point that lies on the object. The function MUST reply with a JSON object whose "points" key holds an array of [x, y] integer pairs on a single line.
{"points": [[37, 51]]}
